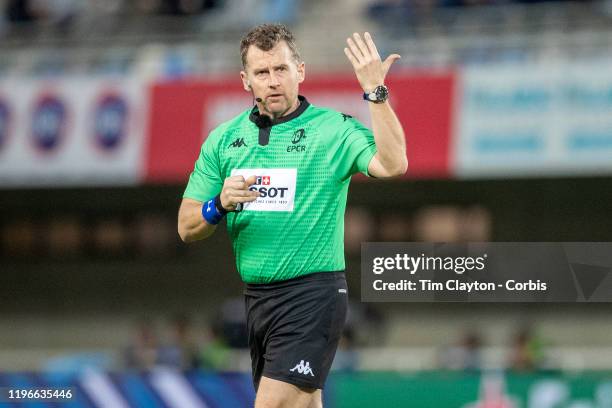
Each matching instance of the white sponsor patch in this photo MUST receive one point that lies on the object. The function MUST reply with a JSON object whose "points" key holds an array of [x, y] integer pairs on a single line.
{"points": [[276, 185]]}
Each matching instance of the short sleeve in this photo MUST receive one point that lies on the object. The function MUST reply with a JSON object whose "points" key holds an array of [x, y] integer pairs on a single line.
{"points": [[205, 180], [352, 146]]}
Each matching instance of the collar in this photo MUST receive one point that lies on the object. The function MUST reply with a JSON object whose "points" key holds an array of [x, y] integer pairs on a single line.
{"points": [[256, 118]]}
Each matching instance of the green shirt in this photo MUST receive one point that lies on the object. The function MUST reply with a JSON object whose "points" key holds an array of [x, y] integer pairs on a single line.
{"points": [[303, 163]]}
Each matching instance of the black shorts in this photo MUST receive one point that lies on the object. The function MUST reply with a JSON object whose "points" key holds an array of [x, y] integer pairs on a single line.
{"points": [[294, 327]]}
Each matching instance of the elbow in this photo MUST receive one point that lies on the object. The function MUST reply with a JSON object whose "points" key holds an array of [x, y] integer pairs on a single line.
{"points": [[399, 169], [185, 235], [403, 167], [189, 235]]}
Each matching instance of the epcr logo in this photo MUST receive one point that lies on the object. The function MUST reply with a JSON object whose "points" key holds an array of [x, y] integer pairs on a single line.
{"points": [[110, 121], [5, 117], [48, 122]]}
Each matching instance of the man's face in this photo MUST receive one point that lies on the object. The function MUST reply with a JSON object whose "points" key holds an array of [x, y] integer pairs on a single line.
{"points": [[274, 76]]}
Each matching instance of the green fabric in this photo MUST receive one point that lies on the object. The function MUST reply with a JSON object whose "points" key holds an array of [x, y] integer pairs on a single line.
{"points": [[309, 237]]}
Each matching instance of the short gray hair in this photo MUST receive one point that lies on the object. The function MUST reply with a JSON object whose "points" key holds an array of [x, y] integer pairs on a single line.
{"points": [[267, 36]]}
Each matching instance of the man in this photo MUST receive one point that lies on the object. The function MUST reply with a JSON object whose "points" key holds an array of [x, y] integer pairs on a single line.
{"points": [[280, 173]]}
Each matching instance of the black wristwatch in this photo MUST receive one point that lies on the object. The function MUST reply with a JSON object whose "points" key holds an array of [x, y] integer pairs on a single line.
{"points": [[378, 95]]}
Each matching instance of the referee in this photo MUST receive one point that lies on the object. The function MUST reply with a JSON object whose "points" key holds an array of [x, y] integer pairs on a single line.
{"points": [[280, 174]]}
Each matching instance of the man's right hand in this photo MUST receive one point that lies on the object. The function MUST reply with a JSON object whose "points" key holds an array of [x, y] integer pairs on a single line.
{"points": [[236, 190]]}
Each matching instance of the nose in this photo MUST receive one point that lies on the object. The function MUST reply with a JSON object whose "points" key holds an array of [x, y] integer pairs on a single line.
{"points": [[273, 80]]}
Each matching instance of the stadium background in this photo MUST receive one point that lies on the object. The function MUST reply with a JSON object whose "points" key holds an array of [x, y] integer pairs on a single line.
{"points": [[507, 108]]}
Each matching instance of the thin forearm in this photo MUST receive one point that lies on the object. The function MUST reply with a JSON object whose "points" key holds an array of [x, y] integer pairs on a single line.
{"points": [[389, 137], [191, 225]]}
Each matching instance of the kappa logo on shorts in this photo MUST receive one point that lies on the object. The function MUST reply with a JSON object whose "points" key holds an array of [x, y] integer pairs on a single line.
{"points": [[303, 368]]}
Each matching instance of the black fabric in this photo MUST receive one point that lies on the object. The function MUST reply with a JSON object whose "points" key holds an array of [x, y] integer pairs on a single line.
{"points": [[253, 117], [264, 136], [265, 123], [294, 327], [219, 206]]}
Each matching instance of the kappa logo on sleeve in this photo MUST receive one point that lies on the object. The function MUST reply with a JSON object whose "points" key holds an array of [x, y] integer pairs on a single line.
{"points": [[276, 186]]}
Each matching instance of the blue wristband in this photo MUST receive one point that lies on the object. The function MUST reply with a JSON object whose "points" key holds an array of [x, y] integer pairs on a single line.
{"points": [[211, 213]]}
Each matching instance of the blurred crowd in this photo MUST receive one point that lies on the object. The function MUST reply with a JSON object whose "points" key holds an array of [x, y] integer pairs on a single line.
{"points": [[64, 15], [61, 16], [380, 8], [65, 11], [526, 352], [72, 236], [435, 223], [487, 20], [152, 235], [180, 344]]}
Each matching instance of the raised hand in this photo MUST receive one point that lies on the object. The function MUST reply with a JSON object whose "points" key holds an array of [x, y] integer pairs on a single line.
{"points": [[369, 68]]}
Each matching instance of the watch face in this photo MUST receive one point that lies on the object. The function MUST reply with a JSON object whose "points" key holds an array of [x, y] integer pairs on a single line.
{"points": [[381, 93]]}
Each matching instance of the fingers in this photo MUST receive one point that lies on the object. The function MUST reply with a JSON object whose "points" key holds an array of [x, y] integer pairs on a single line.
{"points": [[371, 45], [230, 197], [351, 57], [234, 182], [360, 51], [231, 178], [389, 61], [242, 196], [232, 192], [362, 47], [238, 182], [355, 50], [363, 55], [246, 199], [236, 190], [250, 181]]}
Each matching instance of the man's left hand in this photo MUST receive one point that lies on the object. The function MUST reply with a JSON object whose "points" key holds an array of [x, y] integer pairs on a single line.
{"points": [[369, 68]]}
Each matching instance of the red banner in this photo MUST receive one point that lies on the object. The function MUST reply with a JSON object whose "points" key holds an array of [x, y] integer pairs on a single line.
{"points": [[182, 114]]}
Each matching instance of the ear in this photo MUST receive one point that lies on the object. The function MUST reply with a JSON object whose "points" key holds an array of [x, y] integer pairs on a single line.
{"points": [[245, 81], [301, 72]]}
